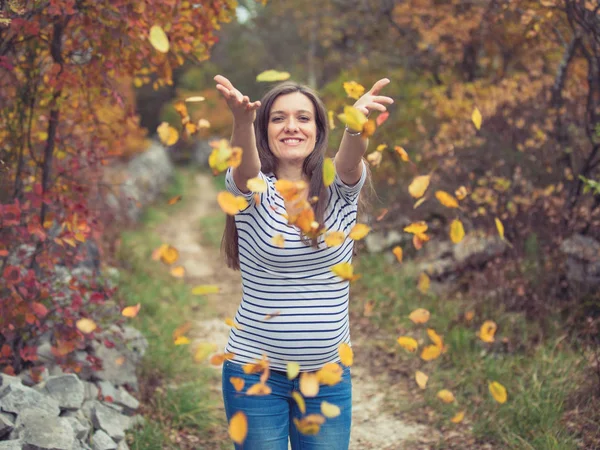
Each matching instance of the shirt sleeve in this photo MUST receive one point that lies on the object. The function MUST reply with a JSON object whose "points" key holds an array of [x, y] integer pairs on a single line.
{"points": [[235, 190], [347, 192]]}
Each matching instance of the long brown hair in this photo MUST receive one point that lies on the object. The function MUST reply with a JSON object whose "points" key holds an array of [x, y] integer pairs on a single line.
{"points": [[312, 167]]}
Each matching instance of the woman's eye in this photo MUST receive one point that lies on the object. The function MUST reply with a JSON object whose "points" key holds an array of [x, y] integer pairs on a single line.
{"points": [[304, 118]]}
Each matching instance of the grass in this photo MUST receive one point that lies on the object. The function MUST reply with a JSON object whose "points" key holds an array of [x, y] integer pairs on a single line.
{"points": [[175, 394], [212, 226], [539, 375]]}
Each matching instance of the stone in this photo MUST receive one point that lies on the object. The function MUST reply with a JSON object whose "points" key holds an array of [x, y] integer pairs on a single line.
{"points": [[109, 420], [135, 421], [16, 397], [583, 260], [123, 445], [102, 441], [475, 250], [107, 389], [438, 268], [81, 429], [6, 424], [5, 380], [44, 432], [13, 444], [67, 390], [91, 391], [126, 399]]}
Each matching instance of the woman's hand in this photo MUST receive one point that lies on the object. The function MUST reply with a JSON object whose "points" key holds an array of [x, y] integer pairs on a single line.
{"points": [[372, 101], [243, 110]]}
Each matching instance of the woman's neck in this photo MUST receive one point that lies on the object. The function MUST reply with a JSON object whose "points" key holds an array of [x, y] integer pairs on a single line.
{"points": [[290, 173]]}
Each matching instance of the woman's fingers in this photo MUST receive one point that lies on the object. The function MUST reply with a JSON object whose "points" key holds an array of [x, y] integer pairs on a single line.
{"points": [[379, 85], [224, 81], [383, 99]]}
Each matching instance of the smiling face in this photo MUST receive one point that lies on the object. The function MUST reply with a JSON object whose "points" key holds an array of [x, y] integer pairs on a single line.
{"points": [[292, 129]]}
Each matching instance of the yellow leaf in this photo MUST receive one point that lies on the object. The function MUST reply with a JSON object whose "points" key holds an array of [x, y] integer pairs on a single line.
{"points": [[230, 203], [498, 392], [374, 158], [203, 350], [159, 39], [330, 410], [419, 315], [258, 389], [416, 228], [203, 123], [408, 343], [237, 382], [446, 199], [421, 379], [500, 228], [345, 271], [423, 284], [330, 115], [174, 200], [86, 325], [446, 396], [397, 251], [457, 232], [293, 368], [309, 384], [353, 89], [182, 329], [278, 240], [352, 117], [238, 427], [419, 202], [369, 128], [381, 147], [328, 171], [223, 156], [290, 190], [169, 254], [458, 417], [435, 338], [430, 352], [299, 401], [334, 238], [218, 358], [419, 185], [197, 98], [309, 425], [205, 289], [182, 340], [330, 374], [257, 184], [359, 231], [230, 322], [346, 354], [167, 134], [487, 331], [476, 118], [178, 272], [403, 155], [272, 75], [131, 311], [461, 192], [469, 315]]}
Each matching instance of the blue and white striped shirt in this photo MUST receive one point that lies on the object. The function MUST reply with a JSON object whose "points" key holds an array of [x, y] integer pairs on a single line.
{"points": [[294, 284]]}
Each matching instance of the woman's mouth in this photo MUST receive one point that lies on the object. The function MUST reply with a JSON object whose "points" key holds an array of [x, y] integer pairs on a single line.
{"points": [[291, 141]]}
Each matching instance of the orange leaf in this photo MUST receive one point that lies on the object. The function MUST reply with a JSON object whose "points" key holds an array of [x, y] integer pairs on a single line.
{"points": [[174, 200], [218, 358], [345, 271], [359, 231], [86, 325], [346, 354], [238, 427], [334, 238], [408, 343], [131, 311], [309, 384], [178, 272], [258, 389], [231, 204], [419, 315], [431, 352], [237, 382], [487, 331], [421, 379], [299, 401], [446, 396], [397, 251]]}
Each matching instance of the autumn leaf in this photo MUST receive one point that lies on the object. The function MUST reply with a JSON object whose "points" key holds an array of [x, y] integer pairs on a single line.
{"points": [[182, 340], [278, 240], [423, 283], [310, 424], [381, 118], [374, 158], [359, 231], [476, 118], [230, 322], [431, 352], [397, 251], [419, 202], [290, 190], [159, 39], [403, 155], [299, 401], [435, 338], [500, 228], [224, 156], [330, 374], [458, 417], [419, 315], [330, 410], [469, 315], [237, 383], [195, 99], [293, 368], [218, 358], [419, 185], [421, 379], [345, 271], [457, 232], [258, 389], [182, 329], [446, 199], [446, 396], [131, 311], [309, 384], [353, 118], [231, 204], [330, 117], [487, 331], [174, 200], [203, 350], [167, 134], [334, 238], [272, 75], [416, 228], [256, 184], [408, 343], [353, 89], [238, 427], [346, 354], [381, 147], [461, 193], [169, 255], [205, 289], [328, 171], [498, 392], [86, 325], [178, 271]]}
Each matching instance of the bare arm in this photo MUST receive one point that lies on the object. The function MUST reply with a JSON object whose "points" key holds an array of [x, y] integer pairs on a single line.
{"points": [[244, 113], [352, 148]]}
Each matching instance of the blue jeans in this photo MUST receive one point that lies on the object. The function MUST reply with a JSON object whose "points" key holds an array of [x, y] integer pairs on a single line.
{"points": [[270, 417]]}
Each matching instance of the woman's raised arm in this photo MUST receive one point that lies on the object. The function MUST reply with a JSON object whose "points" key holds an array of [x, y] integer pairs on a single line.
{"points": [[244, 113]]}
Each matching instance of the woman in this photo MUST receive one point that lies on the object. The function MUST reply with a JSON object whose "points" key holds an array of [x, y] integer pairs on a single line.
{"points": [[293, 308]]}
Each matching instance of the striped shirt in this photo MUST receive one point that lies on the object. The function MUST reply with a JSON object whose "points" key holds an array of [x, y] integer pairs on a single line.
{"points": [[308, 304]]}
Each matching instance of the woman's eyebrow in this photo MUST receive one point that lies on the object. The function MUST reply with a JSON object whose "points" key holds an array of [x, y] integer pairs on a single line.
{"points": [[301, 111]]}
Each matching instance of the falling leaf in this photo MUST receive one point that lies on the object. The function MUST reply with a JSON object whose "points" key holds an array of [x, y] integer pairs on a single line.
{"points": [[353, 89], [231, 204], [469, 315], [178, 271], [359, 231], [203, 350], [272, 75], [419, 202], [397, 251], [353, 118], [421, 379], [446, 396], [309, 384], [293, 368], [237, 382], [181, 330], [431, 352], [197, 98], [278, 240], [270, 316], [169, 255], [419, 185], [476, 118], [423, 283], [345, 271], [403, 155], [382, 214], [330, 410], [167, 134], [487, 331], [328, 171], [435, 338], [257, 184], [223, 156], [446, 199], [309, 425], [381, 118], [330, 374], [218, 358], [500, 228], [131, 311], [174, 200], [458, 417], [330, 117], [368, 308], [86, 325], [381, 147], [375, 158], [461, 193], [457, 232], [416, 228], [159, 39], [346, 354], [229, 322], [205, 289], [238, 427], [408, 343], [258, 389], [290, 190], [299, 401], [498, 392], [182, 340], [369, 129], [334, 238], [419, 315], [203, 123]]}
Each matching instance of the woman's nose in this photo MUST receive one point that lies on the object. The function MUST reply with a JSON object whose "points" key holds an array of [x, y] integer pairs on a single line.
{"points": [[292, 125]]}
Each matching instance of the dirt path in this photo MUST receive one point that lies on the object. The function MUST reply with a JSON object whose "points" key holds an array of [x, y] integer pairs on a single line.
{"points": [[372, 427]]}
